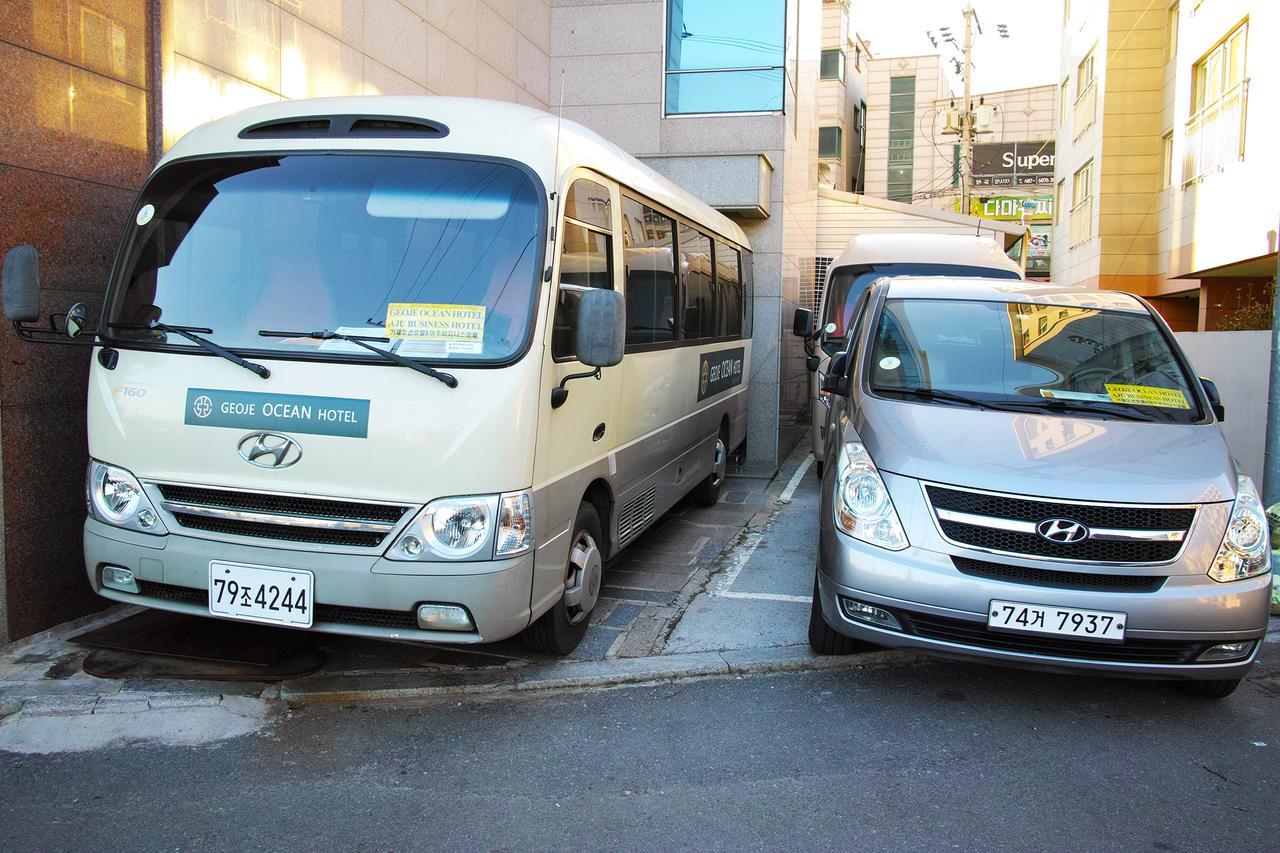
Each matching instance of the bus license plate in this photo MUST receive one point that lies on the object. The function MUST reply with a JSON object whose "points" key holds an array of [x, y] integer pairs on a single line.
{"points": [[261, 594], [1063, 621]]}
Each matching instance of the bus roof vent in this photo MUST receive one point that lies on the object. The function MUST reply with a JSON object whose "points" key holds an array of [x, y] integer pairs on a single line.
{"points": [[377, 126], [289, 129]]}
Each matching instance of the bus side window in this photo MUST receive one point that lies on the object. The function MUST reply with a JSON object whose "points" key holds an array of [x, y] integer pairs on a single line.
{"points": [[729, 289], [650, 274], [586, 260], [699, 296]]}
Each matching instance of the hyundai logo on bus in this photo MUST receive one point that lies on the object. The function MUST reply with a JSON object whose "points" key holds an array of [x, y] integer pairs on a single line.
{"points": [[719, 371], [292, 413]]}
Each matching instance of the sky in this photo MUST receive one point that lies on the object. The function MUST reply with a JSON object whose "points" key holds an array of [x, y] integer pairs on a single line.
{"points": [[1029, 57]]}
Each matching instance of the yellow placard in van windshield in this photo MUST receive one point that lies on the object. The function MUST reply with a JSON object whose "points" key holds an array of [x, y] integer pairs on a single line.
{"points": [[1145, 395], [431, 322]]}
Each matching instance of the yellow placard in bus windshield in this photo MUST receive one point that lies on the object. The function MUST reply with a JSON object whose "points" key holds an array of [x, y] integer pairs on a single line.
{"points": [[1145, 395], [431, 322]]}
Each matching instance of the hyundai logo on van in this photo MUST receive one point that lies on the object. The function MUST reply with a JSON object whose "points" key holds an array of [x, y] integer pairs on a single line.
{"points": [[269, 450], [1064, 531]]}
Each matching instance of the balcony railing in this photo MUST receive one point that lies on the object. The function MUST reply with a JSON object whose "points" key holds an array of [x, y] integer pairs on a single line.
{"points": [[1082, 114], [1215, 135], [1081, 222]]}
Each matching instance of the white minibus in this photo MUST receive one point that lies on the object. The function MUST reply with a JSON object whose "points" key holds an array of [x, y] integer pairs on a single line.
{"points": [[401, 367], [866, 258]]}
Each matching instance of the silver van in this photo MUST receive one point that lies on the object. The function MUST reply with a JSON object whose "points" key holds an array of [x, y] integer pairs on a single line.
{"points": [[1033, 475]]}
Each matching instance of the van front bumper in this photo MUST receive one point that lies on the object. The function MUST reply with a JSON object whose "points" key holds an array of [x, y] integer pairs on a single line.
{"points": [[358, 595], [944, 611]]}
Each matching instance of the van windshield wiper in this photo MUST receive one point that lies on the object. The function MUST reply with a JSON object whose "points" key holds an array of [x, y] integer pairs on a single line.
{"points": [[189, 332], [362, 340], [1085, 407], [930, 395]]}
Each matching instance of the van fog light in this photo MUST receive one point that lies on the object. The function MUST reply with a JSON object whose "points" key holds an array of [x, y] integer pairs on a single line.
{"points": [[862, 612], [1227, 651], [410, 546], [114, 577], [444, 617], [146, 519]]}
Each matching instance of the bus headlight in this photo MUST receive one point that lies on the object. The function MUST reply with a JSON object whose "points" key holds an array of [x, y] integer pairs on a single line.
{"points": [[116, 497], [863, 508], [481, 527], [1245, 549]]}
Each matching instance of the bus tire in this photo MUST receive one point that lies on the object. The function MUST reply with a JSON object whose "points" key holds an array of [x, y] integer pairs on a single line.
{"points": [[560, 630], [707, 493]]}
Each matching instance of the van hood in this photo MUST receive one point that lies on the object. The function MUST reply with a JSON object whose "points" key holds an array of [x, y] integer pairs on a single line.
{"points": [[1048, 455], [369, 431]]}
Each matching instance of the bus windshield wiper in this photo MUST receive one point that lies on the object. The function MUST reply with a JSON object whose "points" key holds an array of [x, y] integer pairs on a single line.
{"points": [[363, 341], [189, 332]]}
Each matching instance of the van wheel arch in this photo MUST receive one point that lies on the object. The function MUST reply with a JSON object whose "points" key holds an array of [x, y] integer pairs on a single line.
{"points": [[600, 496]]}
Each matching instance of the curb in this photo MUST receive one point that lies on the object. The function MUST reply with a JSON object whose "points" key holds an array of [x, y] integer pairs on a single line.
{"points": [[656, 669]]}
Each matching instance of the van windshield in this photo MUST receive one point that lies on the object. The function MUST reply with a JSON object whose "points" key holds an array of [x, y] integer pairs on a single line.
{"points": [[848, 283], [1055, 358], [438, 254]]}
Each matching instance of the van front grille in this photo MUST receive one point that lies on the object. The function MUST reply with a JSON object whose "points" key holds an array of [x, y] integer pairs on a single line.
{"points": [[285, 518], [1119, 533], [1058, 579]]}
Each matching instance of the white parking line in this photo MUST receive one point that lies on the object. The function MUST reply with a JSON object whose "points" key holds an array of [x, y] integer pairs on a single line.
{"points": [[767, 596], [794, 483], [752, 541]]}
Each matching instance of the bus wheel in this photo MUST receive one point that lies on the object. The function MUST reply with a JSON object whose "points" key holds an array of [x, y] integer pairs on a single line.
{"points": [[560, 629], [708, 491]]}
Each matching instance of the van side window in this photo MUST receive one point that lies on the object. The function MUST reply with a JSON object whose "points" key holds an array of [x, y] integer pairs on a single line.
{"points": [[729, 289], [649, 252], [699, 295], [586, 260]]}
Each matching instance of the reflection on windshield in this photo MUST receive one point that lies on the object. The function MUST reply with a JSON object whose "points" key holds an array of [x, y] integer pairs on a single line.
{"points": [[437, 254], [1068, 358]]}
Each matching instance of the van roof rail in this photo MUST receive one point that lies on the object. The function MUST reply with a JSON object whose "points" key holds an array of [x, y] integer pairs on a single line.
{"points": [[315, 127]]}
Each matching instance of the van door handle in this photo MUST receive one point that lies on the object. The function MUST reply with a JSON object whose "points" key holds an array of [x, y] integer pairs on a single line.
{"points": [[598, 434]]}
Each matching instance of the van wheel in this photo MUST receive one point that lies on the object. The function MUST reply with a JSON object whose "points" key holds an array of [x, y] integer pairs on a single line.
{"points": [[1209, 689], [560, 629], [707, 492], [824, 639]]}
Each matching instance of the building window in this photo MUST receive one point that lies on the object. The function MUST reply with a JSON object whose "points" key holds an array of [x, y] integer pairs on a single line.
{"points": [[1082, 204], [1084, 74], [1166, 161], [1215, 132], [902, 139], [857, 57], [1065, 101], [725, 56], [860, 120], [586, 259], [1057, 201], [830, 141], [1172, 33], [833, 64]]}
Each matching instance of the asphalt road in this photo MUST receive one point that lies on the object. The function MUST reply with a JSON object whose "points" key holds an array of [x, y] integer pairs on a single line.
{"points": [[941, 755]]}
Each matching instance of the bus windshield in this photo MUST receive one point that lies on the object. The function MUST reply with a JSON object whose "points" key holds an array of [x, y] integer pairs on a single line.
{"points": [[439, 255], [847, 284]]}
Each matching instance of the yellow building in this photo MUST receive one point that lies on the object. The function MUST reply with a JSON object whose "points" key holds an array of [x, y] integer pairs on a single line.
{"points": [[1166, 156]]}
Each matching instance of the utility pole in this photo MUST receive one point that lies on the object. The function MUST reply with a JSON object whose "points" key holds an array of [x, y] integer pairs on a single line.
{"points": [[966, 110]]}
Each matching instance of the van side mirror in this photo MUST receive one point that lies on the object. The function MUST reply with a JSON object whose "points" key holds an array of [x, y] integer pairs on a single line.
{"points": [[834, 381], [602, 327], [1215, 399], [802, 323], [77, 318], [22, 284]]}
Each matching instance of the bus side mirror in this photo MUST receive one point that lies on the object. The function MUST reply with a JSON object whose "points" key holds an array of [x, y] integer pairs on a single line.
{"points": [[802, 323], [1215, 399], [834, 381], [602, 327], [22, 284]]}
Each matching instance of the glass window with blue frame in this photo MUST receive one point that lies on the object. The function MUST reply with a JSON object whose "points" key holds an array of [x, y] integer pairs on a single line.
{"points": [[725, 56]]}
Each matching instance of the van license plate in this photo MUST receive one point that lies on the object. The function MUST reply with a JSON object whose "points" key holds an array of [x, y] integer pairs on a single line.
{"points": [[261, 594], [1063, 621]]}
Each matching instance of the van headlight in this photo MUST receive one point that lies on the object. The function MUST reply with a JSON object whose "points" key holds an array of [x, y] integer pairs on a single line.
{"points": [[116, 497], [481, 528], [1245, 549], [863, 508]]}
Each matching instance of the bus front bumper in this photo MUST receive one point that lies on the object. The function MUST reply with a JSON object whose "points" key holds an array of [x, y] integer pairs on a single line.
{"points": [[358, 595]]}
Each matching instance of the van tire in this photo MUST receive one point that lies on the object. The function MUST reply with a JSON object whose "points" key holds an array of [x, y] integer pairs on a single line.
{"points": [[559, 631], [824, 639], [707, 493], [1209, 689]]}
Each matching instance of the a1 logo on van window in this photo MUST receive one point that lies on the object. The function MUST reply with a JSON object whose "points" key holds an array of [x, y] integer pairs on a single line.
{"points": [[719, 371]]}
